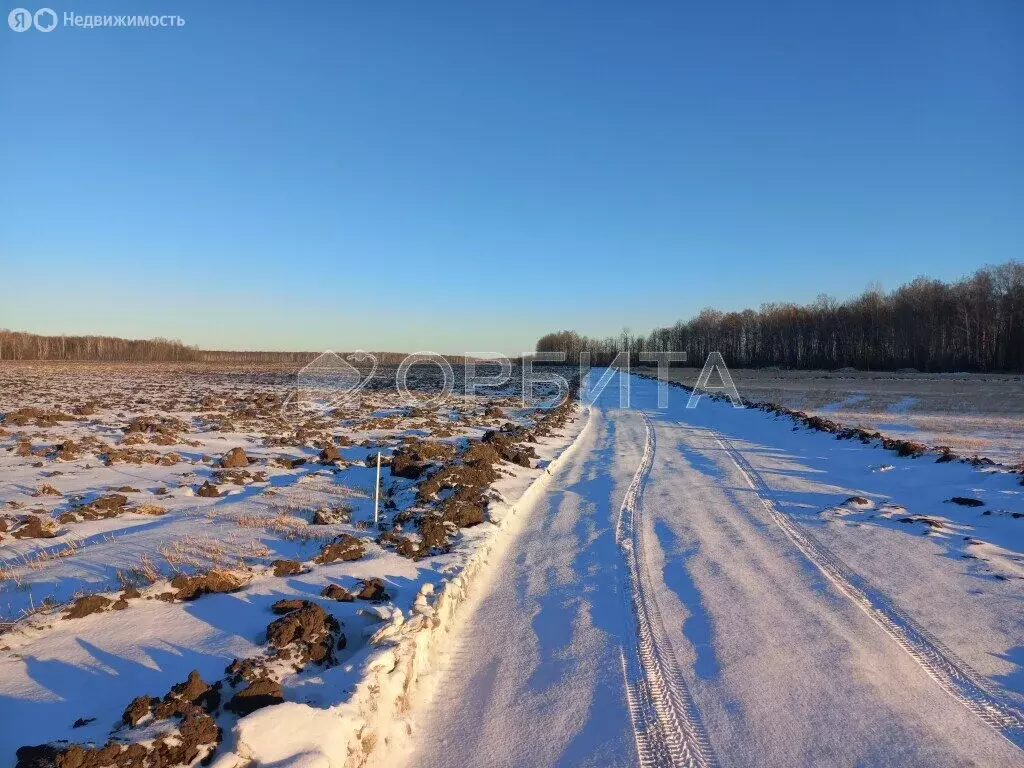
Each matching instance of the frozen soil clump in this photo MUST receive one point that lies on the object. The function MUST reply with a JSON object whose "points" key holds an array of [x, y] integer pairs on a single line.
{"points": [[286, 567], [260, 693], [305, 633], [35, 527], [235, 458], [86, 606], [189, 733], [345, 547], [192, 587]]}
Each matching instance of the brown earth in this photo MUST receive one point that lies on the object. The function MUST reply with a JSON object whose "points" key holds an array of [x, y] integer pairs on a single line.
{"points": [[192, 587], [85, 606], [235, 458], [286, 567], [345, 547]]}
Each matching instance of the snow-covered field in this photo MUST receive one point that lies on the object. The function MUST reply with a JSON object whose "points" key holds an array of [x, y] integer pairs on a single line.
{"points": [[972, 413], [159, 521], [648, 586]]}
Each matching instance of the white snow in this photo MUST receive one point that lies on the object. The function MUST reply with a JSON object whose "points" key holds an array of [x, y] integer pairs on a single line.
{"points": [[787, 622], [784, 663]]}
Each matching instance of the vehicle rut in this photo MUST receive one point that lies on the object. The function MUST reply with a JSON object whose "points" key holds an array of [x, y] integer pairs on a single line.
{"points": [[666, 727], [952, 674]]}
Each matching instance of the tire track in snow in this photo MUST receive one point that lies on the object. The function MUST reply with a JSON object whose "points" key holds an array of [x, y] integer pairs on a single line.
{"points": [[665, 723], [952, 674]]}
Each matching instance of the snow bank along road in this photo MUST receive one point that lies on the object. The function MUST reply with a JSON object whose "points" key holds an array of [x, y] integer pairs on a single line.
{"points": [[693, 591]]}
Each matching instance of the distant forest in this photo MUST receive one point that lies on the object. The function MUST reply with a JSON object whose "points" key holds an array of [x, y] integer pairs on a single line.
{"points": [[974, 324], [18, 345]]}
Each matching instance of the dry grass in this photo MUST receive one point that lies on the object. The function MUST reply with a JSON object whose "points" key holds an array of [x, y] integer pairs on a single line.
{"points": [[44, 557], [12, 569], [146, 570], [284, 526], [196, 552], [46, 604], [7, 573]]}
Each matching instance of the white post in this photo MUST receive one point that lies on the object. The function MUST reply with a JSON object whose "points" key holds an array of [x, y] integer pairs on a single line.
{"points": [[376, 492]]}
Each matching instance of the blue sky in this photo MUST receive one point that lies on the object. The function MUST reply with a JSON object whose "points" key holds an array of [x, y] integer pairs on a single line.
{"points": [[464, 176]]}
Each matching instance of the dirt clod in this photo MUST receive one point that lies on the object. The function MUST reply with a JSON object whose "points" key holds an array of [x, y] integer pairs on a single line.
{"points": [[138, 710], [208, 490], [404, 465], [372, 589], [345, 547], [481, 454], [110, 502], [286, 567], [335, 592], [305, 633], [85, 606], [258, 694], [196, 691], [434, 532], [287, 606], [42, 756], [35, 527], [463, 513], [192, 587], [235, 458], [330, 454], [333, 515], [967, 501]]}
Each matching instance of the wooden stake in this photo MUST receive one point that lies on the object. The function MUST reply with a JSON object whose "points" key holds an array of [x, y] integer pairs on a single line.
{"points": [[376, 493]]}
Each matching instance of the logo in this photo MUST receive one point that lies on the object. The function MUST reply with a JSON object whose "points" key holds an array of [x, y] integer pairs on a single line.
{"points": [[22, 19], [45, 19], [330, 381]]}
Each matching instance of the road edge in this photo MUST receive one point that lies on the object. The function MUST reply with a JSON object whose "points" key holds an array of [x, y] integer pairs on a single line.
{"points": [[403, 650]]}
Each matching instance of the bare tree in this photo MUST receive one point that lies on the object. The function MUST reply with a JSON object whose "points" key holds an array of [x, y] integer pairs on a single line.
{"points": [[973, 324]]}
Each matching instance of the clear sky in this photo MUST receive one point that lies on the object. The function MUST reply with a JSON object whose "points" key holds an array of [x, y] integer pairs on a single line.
{"points": [[464, 176]]}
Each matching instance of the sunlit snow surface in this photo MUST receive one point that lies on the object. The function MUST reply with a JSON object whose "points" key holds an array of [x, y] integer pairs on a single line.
{"points": [[777, 661]]}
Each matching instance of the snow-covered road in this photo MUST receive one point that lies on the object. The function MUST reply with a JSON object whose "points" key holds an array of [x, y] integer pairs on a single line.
{"points": [[677, 598]]}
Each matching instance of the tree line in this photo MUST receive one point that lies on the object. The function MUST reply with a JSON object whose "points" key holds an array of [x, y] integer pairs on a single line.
{"points": [[18, 345], [302, 358], [973, 324]]}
